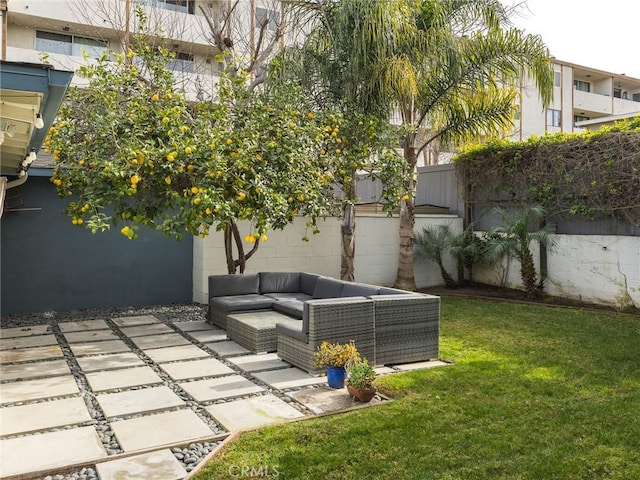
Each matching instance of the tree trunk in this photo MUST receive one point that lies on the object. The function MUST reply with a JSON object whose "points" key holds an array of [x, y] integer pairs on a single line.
{"points": [[348, 229], [405, 279], [528, 274]]}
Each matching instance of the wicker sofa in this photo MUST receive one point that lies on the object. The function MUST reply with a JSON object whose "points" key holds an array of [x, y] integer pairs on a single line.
{"points": [[387, 325]]}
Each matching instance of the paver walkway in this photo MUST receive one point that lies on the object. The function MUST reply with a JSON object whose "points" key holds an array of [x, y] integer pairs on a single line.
{"points": [[119, 393]]}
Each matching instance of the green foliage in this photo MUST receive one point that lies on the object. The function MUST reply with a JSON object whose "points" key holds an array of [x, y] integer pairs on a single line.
{"points": [[360, 375], [430, 244], [513, 238], [569, 174], [131, 149]]}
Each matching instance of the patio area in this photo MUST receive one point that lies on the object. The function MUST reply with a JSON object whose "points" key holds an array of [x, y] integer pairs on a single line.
{"points": [[144, 393]]}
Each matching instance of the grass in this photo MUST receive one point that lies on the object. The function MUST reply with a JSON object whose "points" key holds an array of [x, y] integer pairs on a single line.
{"points": [[535, 392]]}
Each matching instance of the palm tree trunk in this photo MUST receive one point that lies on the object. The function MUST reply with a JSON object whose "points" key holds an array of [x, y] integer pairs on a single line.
{"points": [[528, 275], [348, 229], [406, 279]]}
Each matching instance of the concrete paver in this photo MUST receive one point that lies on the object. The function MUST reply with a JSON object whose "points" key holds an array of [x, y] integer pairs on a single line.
{"points": [[27, 390], [109, 362], [99, 348], [211, 335], [24, 331], [122, 378], [407, 367], [288, 378], [193, 326], [157, 341], [160, 465], [159, 430], [142, 330], [227, 348], [138, 401], [42, 416], [26, 371], [217, 388], [323, 399], [135, 320], [253, 412], [90, 336], [28, 354], [208, 367], [34, 453], [82, 325], [259, 362], [171, 354], [27, 342]]}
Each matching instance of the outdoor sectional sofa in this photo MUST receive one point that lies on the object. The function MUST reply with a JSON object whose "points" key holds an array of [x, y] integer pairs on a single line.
{"points": [[388, 325]]}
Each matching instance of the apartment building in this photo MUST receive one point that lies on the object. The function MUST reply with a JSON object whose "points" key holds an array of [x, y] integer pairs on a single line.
{"points": [[583, 98], [67, 33]]}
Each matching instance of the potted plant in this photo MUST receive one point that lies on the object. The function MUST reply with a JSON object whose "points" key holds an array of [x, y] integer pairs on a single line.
{"points": [[360, 380], [334, 357]]}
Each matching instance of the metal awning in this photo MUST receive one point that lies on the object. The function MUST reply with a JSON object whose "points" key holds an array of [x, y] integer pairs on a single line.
{"points": [[30, 97]]}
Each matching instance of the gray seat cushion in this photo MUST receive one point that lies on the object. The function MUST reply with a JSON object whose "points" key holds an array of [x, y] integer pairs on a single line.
{"points": [[226, 285], [279, 282], [327, 287], [237, 303], [293, 308], [292, 328], [289, 296], [359, 290]]}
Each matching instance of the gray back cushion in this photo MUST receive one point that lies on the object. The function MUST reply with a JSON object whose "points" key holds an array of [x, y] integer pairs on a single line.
{"points": [[279, 282], [226, 285], [327, 287], [308, 282], [359, 290]]}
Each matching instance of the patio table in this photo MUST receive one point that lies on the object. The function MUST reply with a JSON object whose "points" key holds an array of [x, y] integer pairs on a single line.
{"points": [[255, 331]]}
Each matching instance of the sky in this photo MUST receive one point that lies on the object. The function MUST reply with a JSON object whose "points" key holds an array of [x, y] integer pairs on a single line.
{"points": [[599, 34]]}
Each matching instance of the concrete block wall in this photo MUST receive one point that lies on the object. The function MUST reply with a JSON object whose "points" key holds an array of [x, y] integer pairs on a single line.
{"points": [[377, 250], [602, 269]]}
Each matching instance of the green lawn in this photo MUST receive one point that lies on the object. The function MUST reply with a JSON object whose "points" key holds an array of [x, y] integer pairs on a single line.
{"points": [[534, 393]]}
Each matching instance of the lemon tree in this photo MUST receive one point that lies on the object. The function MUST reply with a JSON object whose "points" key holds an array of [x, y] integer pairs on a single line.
{"points": [[131, 150]]}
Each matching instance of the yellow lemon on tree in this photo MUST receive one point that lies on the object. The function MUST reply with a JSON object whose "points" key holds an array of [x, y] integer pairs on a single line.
{"points": [[167, 180], [165, 120], [194, 190], [241, 196], [310, 115], [135, 179], [155, 97], [171, 157], [406, 197], [263, 238], [188, 150]]}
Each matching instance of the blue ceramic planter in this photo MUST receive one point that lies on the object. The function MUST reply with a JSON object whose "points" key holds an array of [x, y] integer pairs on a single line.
{"points": [[336, 376]]}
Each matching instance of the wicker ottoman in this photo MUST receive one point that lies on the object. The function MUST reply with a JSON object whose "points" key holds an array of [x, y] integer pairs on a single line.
{"points": [[255, 331]]}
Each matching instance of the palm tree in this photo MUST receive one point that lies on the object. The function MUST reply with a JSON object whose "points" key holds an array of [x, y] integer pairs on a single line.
{"points": [[513, 238], [447, 68], [431, 243]]}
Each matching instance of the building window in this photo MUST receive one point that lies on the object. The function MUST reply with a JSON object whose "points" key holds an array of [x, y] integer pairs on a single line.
{"points": [[182, 62], [70, 44], [184, 6], [557, 78], [617, 93], [636, 97], [268, 18], [553, 118], [579, 118], [582, 85]]}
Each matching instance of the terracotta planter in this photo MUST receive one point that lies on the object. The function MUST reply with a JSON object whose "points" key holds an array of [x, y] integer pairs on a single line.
{"points": [[364, 395]]}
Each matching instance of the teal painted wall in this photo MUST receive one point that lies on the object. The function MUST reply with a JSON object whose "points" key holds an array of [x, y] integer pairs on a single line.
{"points": [[48, 264]]}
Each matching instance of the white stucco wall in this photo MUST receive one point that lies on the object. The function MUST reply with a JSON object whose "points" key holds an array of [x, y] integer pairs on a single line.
{"points": [[592, 268], [376, 262]]}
